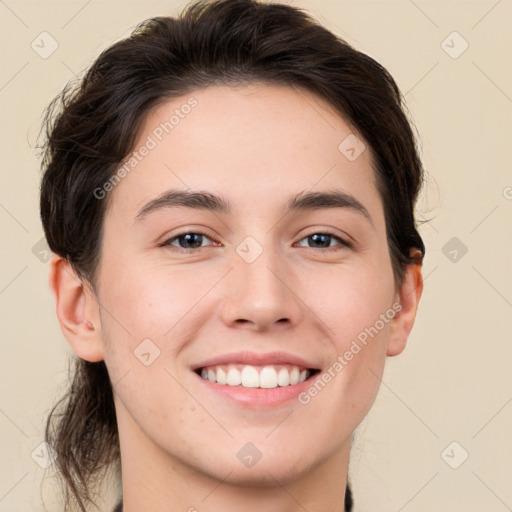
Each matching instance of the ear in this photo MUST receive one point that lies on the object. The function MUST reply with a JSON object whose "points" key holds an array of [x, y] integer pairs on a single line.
{"points": [[77, 310], [408, 296]]}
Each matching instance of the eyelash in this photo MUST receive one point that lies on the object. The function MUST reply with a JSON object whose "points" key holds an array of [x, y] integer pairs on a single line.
{"points": [[342, 242]]}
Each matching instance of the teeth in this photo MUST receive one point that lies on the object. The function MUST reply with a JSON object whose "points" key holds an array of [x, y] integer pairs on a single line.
{"points": [[283, 377], [268, 377], [294, 376], [222, 377], [234, 377], [249, 376]]}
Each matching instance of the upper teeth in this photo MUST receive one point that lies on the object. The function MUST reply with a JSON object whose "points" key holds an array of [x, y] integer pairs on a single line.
{"points": [[255, 376]]}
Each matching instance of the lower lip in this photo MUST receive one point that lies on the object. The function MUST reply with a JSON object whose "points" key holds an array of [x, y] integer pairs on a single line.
{"points": [[257, 398]]}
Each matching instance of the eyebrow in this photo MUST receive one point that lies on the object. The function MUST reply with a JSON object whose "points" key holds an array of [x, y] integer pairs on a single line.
{"points": [[202, 200]]}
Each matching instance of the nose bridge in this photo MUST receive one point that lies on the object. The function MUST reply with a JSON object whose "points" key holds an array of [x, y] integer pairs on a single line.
{"points": [[259, 275], [258, 291]]}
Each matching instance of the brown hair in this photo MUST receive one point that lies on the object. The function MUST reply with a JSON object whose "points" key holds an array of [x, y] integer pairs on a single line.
{"points": [[91, 127]]}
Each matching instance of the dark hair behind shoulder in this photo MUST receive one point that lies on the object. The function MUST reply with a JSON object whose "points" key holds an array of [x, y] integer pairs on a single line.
{"points": [[91, 128]]}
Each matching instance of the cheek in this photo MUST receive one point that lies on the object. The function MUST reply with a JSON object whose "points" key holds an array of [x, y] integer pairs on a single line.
{"points": [[148, 318], [151, 303], [357, 308], [351, 300]]}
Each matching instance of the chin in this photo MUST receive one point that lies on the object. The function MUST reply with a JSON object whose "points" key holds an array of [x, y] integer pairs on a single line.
{"points": [[263, 473]]}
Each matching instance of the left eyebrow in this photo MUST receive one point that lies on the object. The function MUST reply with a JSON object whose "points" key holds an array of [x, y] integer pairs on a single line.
{"points": [[201, 200], [328, 199]]}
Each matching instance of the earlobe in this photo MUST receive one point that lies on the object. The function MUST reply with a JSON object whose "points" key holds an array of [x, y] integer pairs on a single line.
{"points": [[77, 310], [409, 296]]}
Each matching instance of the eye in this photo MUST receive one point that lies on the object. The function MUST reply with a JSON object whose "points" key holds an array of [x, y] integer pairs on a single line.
{"points": [[193, 240], [187, 241], [322, 240]]}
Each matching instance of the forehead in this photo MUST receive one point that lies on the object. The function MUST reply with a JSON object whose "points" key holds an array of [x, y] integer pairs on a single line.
{"points": [[254, 143]]}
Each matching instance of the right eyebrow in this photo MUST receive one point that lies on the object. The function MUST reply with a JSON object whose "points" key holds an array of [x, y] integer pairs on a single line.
{"points": [[188, 199]]}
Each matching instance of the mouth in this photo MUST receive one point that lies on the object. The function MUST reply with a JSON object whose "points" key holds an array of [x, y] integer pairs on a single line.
{"points": [[256, 376], [256, 387], [256, 380]]}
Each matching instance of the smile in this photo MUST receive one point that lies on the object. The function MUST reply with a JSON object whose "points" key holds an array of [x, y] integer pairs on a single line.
{"points": [[252, 376]]}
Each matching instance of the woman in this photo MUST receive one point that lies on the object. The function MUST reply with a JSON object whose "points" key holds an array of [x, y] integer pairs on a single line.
{"points": [[229, 197]]}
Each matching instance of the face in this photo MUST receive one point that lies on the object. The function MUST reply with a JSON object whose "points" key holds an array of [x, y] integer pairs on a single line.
{"points": [[258, 276]]}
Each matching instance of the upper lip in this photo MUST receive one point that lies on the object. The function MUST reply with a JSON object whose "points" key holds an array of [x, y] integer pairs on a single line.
{"points": [[256, 359]]}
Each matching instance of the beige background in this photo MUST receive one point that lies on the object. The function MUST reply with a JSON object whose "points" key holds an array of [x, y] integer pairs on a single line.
{"points": [[453, 382]]}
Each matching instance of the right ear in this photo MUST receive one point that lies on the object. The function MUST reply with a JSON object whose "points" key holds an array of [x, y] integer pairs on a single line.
{"points": [[77, 310]]}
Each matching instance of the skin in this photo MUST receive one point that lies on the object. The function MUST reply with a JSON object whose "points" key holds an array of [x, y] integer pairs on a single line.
{"points": [[256, 146]]}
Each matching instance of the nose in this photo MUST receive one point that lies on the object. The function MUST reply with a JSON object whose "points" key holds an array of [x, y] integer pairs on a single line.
{"points": [[261, 295]]}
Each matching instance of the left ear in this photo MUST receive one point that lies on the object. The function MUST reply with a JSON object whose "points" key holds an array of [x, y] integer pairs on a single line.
{"points": [[408, 296]]}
